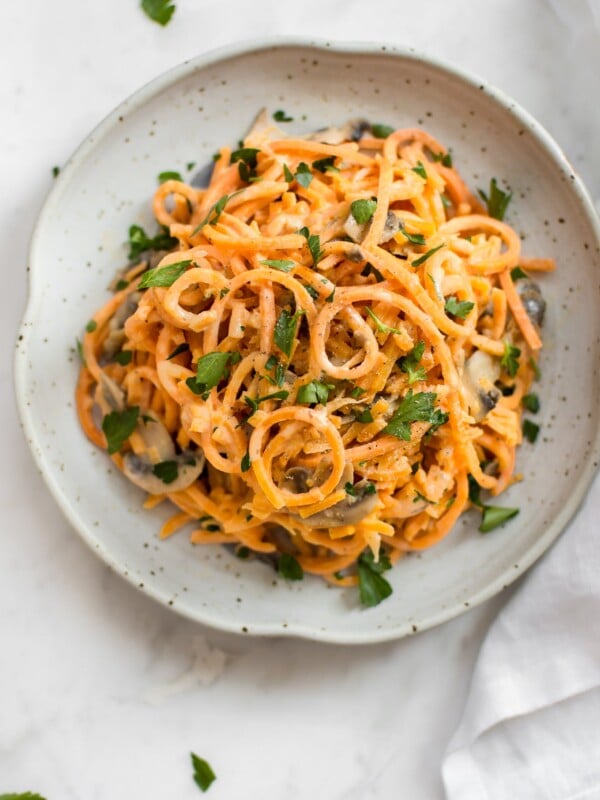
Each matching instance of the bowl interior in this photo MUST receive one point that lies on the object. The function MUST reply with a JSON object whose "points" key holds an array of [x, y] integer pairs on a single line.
{"points": [[183, 118]]}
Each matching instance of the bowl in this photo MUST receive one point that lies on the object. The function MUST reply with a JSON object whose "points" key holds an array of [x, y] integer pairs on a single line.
{"points": [[182, 117]]}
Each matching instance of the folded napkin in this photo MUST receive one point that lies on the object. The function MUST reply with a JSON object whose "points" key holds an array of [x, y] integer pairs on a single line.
{"points": [[531, 724]]}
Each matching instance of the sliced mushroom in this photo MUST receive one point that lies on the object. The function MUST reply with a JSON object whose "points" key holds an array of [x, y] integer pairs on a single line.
{"points": [[351, 131], [355, 230], [533, 301], [392, 225], [349, 511], [116, 327], [111, 395], [160, 448], [480, 374]]}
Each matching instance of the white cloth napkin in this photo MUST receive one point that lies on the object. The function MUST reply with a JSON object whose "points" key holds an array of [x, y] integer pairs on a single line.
{"points": [[531, 725]]}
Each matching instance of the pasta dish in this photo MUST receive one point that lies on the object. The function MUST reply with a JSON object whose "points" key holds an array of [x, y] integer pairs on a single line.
{"points": [[324, 355]]}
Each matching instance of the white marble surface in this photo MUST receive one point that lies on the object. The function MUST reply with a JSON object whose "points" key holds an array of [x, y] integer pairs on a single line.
{"points": [[97, 700]]}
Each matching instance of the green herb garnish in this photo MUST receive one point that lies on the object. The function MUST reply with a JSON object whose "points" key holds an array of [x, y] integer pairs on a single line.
{"points": [[380, 131], [420, 170], [79, 347], [181, 348], [445, 158], [253, 402], [413, 238], [417, 407], [517, 273], [121, 284], [349, 489], [363, 210], [373, 587], [139, 241], [203, 772], [289, 568], [210, 370], [357, 392], [458, 308], [22, 796], [381, 326], [91, 326], [530, 430], [364, 415], [167, 471], [55, 172], [421, 497], [510, 359], [118, 427], [281, 116], [288, 174], [284, 265], [531, 402], [314, 392], [325, 164], [285, 330], [246, 159], [422, 259], [159, 11], [537, 373], [493, 516], [303, 175], [245, 463], [314, 244], [169, 176], [409, 363], [163, 276], [123, 357], [496, 201], [214, 212]]}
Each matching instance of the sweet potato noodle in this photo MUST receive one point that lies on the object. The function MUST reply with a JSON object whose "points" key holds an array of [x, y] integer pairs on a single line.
{"points": [[331, 347]]}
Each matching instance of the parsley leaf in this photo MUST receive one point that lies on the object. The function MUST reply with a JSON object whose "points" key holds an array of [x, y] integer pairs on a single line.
{"points": [[493, 516], [363, 210], [314, 244], [288, 567], [303, 175], [409, 363], [380, 131], [288, 174], [163, 276], [80, 352], [413, 238], [422, 259], [285, 330], [245, 463], [363, 415], [167, 471], [181, 348], [281, 264], [445, 158], [159, 11], [253, 402], [517, 273], [210, 370], [124, 357], [314, 392], [91, 326], [169, 176], [537, 373], [381, 326], [214, 212], [246, 158], [531, 402], [458, 308], [274, 363], [349, 489], [417, 407], [420, 170], [510, 359], [418, 496], [530, 430], [373, 587], [139, 241], [22, 796], [55, 172], [357, 392], [121, 284], [118, 427], [203, 773], [281, 116], [496, 201], [325, 164]]}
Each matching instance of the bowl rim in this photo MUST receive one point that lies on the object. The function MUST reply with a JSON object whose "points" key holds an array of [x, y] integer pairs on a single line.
{"points": [[135, 100]]}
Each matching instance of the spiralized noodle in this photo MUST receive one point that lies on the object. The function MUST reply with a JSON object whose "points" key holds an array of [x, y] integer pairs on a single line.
{"points": [[365, 368]]}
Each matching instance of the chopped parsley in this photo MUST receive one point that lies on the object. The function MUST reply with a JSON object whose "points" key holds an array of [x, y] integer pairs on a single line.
{"points": [[281, 116], [210, 370], [214, 212], [530, 430], [531, 402], [492, 516], [163, 276], [203, 772], [330, 296], [246, 159], [289, 568], [537, 373], [496, 200], [325, 164], [288, 174], [123, 357], [372, 586], [357, 392], [253, 402], [458, 308], [381, 131], [421, 497], [381, 326], [422, 259], [243, 552], [118, 427], [413, 238], [314, 244], [167, 471], [22, 796], [363, 210], [121, 284], [420, 170], [181, 348], [139, 241], [444, 158], [55, 172], [314, 392], [409, 363], [517, 273], [274, 363], [303, 174], [245, 463], [282, 264], [510, 359], [79, 347], [91, 326], [349, 489], [363, 415], [159, 11], [417, 407], [169, 176], [285, 330]]}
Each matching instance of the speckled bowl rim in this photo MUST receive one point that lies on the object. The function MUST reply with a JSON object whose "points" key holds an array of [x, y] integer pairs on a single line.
{"points": [[136, 100]]}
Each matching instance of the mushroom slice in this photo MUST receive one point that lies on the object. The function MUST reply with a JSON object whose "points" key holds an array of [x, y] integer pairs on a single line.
{"points": [[186, 468], [351, 131], [392, 225], [116, 326], [355, 230], [111, 395], [480, 374], [533, 301], [349, 511]]}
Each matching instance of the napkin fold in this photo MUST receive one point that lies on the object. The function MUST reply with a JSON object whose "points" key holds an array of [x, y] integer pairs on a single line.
{"points": [[531, 724]]}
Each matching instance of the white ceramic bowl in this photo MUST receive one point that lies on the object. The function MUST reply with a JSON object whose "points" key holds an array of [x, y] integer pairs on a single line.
{"points": [[184, 116]]}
